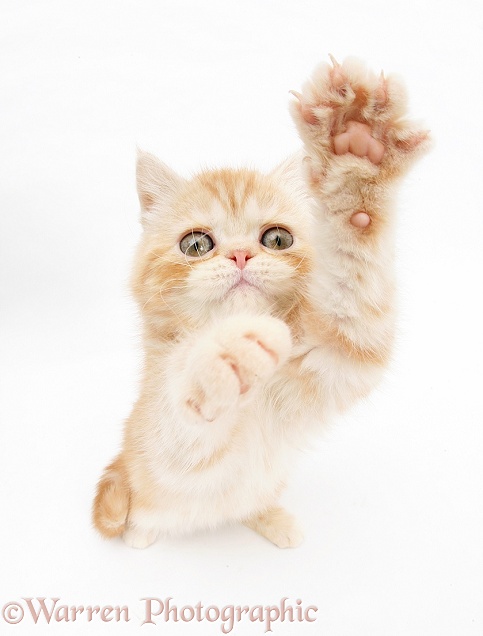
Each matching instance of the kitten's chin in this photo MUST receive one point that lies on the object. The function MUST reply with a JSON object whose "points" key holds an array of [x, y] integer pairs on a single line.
{"points": [[244, 296]]}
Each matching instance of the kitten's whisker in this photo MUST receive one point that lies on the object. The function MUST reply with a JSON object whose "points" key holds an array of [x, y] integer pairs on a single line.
{"points": [[149, 300], [162, 288], [169, 306], [166, 258], [187, 262], [300, 262], [172, 280]]}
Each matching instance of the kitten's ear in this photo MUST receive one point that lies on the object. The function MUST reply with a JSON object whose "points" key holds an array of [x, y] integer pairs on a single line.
{"points": [[290, 174], [157, 185]]}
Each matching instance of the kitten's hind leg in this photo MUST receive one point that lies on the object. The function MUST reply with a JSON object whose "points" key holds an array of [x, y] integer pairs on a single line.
{"points": [[140, 538], [278, 526], [142, 527]]}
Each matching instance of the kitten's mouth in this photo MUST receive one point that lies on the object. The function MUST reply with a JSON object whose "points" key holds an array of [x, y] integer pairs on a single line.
{"points": [[243, 283]]}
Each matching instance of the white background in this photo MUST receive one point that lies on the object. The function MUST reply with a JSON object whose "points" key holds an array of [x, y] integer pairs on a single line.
{"points": [[392, 497]]}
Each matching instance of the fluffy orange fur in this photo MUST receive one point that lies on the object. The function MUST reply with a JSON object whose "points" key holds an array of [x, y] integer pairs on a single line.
{"points": [[247, 356]]}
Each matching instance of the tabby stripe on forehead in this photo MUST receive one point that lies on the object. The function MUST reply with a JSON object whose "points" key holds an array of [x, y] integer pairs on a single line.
{"points": [[227, 188]]}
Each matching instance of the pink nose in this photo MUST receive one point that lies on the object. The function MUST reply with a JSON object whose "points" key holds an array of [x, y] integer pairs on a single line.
{"points": [[240, 257]]}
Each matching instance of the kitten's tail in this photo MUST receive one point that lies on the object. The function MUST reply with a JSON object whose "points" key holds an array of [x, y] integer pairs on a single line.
{"points": [[111, 505]]}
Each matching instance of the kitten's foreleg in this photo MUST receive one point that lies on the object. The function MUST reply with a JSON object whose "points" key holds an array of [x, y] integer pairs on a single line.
{"points": [[356, 147], [212, 371]]}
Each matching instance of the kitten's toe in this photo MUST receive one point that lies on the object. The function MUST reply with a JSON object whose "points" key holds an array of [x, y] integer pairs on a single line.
{"points": [[214, 389], [140, 539], [259, 345], [278, 526]]}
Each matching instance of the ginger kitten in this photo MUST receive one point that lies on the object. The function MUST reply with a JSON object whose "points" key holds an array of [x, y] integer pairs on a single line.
{"points": [[267, 305]]}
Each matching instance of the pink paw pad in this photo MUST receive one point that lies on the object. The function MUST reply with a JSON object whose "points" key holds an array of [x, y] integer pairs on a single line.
{"points": [[360, 220], [357, 140]]}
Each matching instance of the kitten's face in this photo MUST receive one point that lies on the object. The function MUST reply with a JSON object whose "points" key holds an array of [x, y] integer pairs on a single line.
{"points": [[228, 241]]}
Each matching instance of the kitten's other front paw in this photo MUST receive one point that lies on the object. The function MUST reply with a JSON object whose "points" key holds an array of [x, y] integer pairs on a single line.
{"points": [[241, 353], [278, 526], [346, 109]]}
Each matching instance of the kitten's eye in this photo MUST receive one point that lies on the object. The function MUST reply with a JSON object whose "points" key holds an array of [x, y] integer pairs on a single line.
{"points": [[276, 238], [196, 244]]}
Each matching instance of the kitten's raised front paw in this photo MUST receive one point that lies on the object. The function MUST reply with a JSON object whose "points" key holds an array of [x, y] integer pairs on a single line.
{"points": [[345, 108], [229, 362], [278, 526]]}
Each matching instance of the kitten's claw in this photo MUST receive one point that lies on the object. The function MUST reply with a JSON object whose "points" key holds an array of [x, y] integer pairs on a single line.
{"points": [[381, 92], [306, 111], [335, 63]]}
